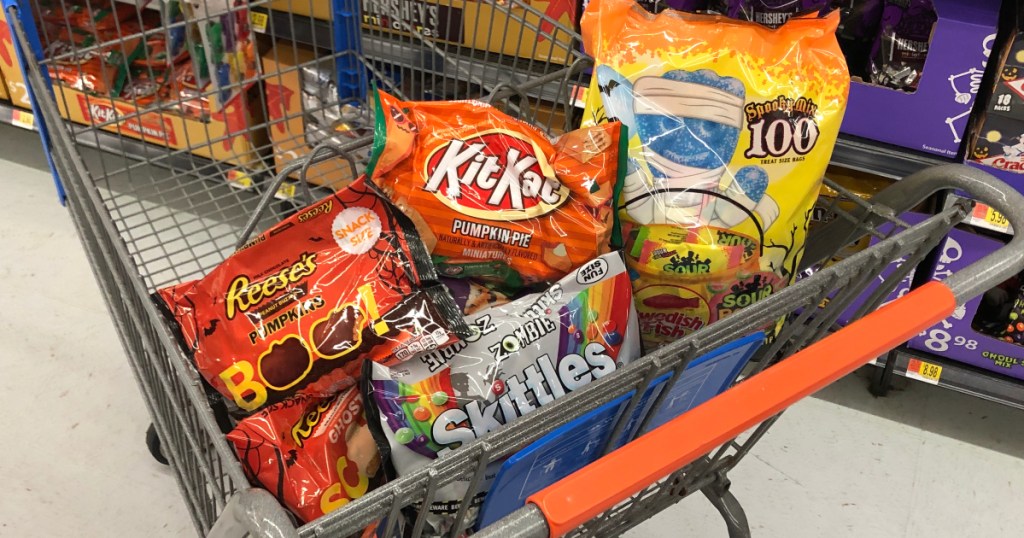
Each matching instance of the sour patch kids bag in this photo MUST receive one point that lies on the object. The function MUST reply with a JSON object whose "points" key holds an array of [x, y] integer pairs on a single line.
{"points": [[731, 127]]}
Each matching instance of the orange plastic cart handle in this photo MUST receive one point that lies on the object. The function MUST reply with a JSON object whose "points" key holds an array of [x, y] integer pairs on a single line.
{"points": [[601, 485]]}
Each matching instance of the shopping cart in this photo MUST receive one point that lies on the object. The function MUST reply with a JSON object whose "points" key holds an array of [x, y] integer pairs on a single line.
{"points": [[150, 216]]}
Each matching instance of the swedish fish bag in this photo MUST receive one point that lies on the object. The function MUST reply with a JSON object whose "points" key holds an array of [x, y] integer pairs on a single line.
{"points": [[731, 126]]}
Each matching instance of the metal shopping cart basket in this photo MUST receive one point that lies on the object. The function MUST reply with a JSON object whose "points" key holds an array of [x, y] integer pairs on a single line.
{"points": [[154, 208]]}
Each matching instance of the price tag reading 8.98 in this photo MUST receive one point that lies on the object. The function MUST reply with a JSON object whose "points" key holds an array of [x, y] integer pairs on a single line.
{"points": [[924, 371]]}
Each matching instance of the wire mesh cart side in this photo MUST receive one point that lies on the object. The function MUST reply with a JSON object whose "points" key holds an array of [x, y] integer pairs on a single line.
{"points": [[131, 258]]}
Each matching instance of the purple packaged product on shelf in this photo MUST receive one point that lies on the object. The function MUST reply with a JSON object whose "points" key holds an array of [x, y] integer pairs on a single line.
{"points": [[901, 289], [858, 26], [955, 337], [898, 55], [934, 117], [656, 6], [772, 13]]}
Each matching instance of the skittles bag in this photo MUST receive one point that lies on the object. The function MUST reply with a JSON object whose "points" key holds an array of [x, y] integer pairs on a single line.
{"points": [[731, 126], [522, 355]]}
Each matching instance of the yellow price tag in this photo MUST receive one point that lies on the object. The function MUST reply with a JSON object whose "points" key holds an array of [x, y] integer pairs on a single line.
{"points": [[924, 371], [286, 191], [240, 179], [23, 119], [986, 217], [259, 21], [579, 96], [996, 218]]}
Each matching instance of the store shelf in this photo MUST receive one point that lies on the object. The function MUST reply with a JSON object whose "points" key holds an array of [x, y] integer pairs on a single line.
{"points": [[405, 54], [956, 376], [882, 159]]}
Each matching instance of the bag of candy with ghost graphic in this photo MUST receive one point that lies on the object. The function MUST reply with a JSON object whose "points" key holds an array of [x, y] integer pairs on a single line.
{"points": [[731, 127]]}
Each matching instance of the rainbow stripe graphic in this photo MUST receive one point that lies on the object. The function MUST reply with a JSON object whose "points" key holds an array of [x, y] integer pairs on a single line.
{"points": [[399, 403], [599, 314]]}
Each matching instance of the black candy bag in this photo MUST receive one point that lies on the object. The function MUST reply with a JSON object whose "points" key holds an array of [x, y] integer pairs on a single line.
{"points": [[900, 49], [858, 27]]}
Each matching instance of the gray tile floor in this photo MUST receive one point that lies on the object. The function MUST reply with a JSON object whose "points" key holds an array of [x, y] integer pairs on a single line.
{"points": [[923, 462]]}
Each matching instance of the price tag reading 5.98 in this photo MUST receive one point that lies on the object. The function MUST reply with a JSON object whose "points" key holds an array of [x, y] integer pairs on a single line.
{"points": [[996, 219]]}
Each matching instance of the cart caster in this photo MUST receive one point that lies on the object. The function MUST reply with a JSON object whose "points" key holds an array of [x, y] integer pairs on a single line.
{"points": [[153, 444]]}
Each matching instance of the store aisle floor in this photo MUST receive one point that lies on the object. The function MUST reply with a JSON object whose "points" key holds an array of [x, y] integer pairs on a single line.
{"points": [[923, 462]]}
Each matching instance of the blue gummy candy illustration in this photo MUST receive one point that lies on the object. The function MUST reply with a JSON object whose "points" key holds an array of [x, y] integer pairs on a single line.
{"points": [[753, 180], [708, 77], [689, 141], [617, 96]]}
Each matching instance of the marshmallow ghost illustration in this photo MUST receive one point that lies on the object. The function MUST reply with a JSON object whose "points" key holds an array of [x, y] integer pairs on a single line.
{"points": [[689, 125]]}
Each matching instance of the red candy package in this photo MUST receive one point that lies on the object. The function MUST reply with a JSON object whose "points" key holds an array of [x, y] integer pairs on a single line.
{"points": [[297, 309], [314, 455], [483, 186]]}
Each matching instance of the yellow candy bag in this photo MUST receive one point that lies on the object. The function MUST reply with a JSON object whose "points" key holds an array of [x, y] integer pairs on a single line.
{"points": [[731, 126]]}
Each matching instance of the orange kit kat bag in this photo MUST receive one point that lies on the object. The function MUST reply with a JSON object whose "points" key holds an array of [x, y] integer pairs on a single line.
{"points": [[489, 192]]}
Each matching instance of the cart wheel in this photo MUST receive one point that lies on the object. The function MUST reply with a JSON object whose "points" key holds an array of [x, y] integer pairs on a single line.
{"points": [[153, 444]]}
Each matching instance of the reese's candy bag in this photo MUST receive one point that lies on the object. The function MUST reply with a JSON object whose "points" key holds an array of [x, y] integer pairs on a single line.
{"points": [[483, 186], [731, 127], [314, 455], [299, 307], [523, 354]]}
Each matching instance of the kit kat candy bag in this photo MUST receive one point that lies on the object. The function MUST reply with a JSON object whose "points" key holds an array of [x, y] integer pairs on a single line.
{"points": [[522, 355], [298, 308], [482, 186], [315, 455], [731, 127]]}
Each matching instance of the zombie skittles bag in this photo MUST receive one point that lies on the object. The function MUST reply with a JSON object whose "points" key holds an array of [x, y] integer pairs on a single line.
{"points": [[483, 186], [731, 127], [522, 355], [298, 308]]}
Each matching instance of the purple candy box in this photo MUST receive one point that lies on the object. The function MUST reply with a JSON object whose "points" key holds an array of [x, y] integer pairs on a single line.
{"points": [[954, 337], [933, 118]]}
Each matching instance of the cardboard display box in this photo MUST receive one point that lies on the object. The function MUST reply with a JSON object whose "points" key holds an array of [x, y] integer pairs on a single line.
{"points": [[10, 69], [303, 111], [954, 337], [481, 25], [227, 136], [997, 143], [934, 117], [4, 94]]}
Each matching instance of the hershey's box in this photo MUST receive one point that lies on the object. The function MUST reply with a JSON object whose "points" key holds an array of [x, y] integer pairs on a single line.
{"points": [[934, 117]]}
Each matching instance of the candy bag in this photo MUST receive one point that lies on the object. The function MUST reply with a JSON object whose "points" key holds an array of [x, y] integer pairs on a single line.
{"points": [[901, 47], [771, 13], [314, 455], [297, 308], [858, 26], [483, 186], [522, 355], [731, 128]]}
